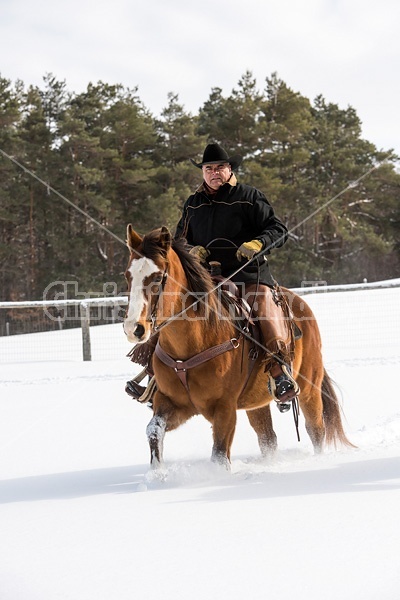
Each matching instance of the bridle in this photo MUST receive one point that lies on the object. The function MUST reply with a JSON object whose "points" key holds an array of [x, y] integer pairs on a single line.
{"points": [[152, 311]]}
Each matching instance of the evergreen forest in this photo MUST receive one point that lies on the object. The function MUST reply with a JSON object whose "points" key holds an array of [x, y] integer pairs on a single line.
{"points": [[76, 168]]}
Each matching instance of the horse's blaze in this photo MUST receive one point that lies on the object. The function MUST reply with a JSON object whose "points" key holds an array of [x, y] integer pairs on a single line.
{"points": [[139, 269]]}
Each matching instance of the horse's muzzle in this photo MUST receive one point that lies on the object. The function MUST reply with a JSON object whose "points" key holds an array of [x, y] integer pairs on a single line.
{"points": [[135, 332]]}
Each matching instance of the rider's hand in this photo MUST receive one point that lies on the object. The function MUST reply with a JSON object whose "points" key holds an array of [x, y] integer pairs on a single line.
{"points": [[249, 249], [200, 252]]}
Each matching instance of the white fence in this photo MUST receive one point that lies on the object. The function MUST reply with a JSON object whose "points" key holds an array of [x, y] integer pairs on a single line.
{"points": [[83, 336], [56, 315]]}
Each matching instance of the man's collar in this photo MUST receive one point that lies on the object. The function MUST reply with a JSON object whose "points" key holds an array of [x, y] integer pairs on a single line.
{"points": [[232, 181]]}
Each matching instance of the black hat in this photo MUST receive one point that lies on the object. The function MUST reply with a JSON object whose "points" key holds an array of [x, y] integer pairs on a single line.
{"points": [[214, 153]]}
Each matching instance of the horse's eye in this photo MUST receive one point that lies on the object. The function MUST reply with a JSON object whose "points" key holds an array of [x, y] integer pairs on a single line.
{"points": [[157, 278]]}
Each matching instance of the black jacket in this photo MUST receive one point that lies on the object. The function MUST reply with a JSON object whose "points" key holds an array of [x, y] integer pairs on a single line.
{"points": [[221, 222]]}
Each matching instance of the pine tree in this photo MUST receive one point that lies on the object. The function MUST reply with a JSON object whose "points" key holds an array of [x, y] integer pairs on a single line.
{"points": [[234, 121], [175, 174], [10, 177], [339, 156], [85, 184]]}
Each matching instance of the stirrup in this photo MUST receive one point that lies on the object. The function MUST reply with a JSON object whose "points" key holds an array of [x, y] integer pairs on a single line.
{"points": [[142, 394], [133, 388], [147, 396], [284, 389], [284, 407]]}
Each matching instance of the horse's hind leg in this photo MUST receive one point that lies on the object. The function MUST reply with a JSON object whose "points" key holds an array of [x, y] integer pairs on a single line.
{"points": [[312, 408], [261, 421]]}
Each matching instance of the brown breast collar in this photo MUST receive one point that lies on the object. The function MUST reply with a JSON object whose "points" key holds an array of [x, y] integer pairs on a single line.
{"points": [[181, 366]]}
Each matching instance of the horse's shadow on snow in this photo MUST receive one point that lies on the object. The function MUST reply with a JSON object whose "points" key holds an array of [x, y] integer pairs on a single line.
{"points": [[367, 475], [74, 484], [381, 474]]}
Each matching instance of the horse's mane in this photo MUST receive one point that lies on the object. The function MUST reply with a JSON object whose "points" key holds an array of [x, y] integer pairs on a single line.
{"points": [[199, 281], [151, 246]]}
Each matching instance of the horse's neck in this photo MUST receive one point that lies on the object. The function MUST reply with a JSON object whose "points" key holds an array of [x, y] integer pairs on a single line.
{"points": [[184, 335], [173, 304], [187, 332]]}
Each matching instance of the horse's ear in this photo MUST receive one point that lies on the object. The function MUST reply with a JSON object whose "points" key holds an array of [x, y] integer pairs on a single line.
{"points": [[165, 238], [133, 239]]}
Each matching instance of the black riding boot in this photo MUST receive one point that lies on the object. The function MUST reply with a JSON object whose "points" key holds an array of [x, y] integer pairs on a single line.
{"points": [[282, 386], [273, 316]]}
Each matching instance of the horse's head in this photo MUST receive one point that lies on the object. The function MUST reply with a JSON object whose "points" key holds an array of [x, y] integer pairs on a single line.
{"points": [[146, 276], [152, 298]]}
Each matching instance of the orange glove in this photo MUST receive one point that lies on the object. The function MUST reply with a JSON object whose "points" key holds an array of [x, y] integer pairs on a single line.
{"points": [[249, 249]]}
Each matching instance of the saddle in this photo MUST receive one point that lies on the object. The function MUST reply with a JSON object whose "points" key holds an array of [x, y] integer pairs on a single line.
{"points": [[238, 307], [242, 317], [231, 298]]}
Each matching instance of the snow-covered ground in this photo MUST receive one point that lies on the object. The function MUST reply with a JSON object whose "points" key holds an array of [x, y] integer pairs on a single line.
{"points": [[82, 518]]}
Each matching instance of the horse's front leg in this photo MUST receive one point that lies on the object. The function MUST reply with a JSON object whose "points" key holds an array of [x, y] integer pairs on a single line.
{"points": [[155, 435], [167, 416], [224, 425]]}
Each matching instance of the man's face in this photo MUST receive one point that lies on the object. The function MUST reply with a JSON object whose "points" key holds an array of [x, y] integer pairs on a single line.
{"points": [[216, 175]]}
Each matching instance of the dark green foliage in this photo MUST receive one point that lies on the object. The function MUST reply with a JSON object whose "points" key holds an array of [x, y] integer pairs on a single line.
{"points": [[105, 153]]}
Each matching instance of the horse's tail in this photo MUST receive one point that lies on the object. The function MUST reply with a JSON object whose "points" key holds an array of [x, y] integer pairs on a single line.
{"points": [[334, 432]]}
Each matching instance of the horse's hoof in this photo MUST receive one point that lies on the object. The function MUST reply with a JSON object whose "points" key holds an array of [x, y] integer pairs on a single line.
{"points": [[157, 473], [221, 461]]}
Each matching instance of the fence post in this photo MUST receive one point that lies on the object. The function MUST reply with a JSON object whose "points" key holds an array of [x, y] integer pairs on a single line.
{"points": [[84, 310]]}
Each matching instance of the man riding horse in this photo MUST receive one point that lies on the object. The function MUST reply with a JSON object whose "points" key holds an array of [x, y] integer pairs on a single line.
{"points": [[230, 222]]}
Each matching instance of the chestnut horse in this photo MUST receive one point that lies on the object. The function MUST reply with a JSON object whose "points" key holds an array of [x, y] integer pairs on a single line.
{"points": [[172, 294]]}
